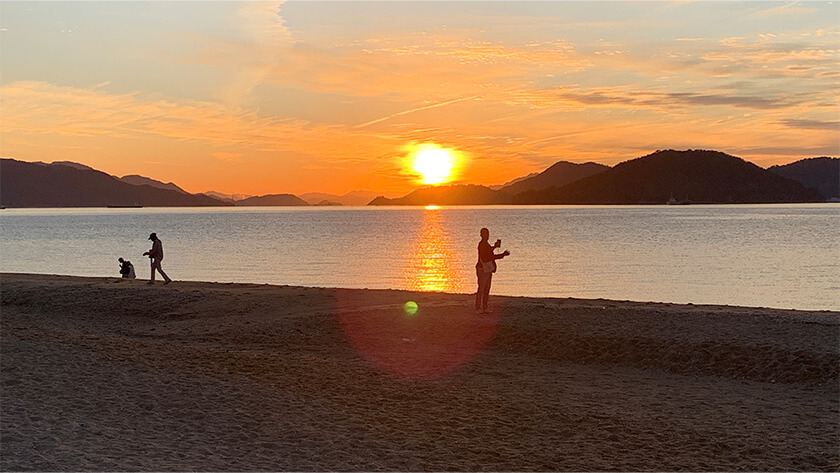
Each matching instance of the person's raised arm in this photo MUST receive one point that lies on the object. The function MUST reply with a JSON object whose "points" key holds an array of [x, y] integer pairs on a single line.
{"points": [[501, 255]]}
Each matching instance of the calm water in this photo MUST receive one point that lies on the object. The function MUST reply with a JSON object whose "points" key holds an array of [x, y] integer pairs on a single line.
{"points": [[785, 256]]}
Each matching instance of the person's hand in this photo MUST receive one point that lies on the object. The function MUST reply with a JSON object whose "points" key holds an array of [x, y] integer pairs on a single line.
{"points": [[506, 253]]}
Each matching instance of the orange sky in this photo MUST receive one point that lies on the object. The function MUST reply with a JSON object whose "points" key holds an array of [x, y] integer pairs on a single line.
{"points": [[267, 97]]}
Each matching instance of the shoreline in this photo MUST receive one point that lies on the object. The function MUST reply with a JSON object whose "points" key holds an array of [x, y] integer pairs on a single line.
{"points": [[493, 295], [113, 374]]}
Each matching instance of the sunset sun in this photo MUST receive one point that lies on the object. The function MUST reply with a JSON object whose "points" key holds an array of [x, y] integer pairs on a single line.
{"points": [[433, 163]]}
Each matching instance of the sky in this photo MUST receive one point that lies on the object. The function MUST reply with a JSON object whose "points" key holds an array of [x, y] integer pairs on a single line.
{"points": [[305, 96]]}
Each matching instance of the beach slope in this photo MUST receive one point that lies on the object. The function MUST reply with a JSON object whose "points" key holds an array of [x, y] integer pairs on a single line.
{"points": [[112, 374]]}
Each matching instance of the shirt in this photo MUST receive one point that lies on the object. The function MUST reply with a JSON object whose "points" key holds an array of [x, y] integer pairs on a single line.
{"points": [[157, 250]]}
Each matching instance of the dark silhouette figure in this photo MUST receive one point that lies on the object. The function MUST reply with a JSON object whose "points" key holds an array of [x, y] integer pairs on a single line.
{"points": [[126, 268], [485, 268], [156, 256]]}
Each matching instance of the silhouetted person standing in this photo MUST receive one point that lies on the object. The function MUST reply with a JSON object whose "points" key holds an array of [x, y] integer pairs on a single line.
{"points": [[485, 268], [156, 256]]}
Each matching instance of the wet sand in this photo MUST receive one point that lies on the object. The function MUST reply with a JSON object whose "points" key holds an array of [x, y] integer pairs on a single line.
{"points": [[111, 374]]}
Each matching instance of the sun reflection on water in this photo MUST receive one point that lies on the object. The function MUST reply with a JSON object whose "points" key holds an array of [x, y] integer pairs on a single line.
{"points": [[429, 265]]}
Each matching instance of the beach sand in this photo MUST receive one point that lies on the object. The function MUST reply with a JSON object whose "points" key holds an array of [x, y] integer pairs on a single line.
{"points": [[113, 374]]}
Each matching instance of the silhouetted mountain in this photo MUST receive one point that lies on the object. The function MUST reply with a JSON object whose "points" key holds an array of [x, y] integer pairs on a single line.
{"points": [[558, 175], [227, 197], [353, 198], [822, 174], [83, 167], [272, 200], [514, 181], [138, 180], [25, 184], [313, 198], [689, 176], [448, 195], [359, 197]]}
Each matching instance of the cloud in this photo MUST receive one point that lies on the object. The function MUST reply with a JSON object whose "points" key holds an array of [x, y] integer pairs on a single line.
{"points": [[813, 124], [407, 68], [776, 56], [788, 9], [248, 57], [639, 98], [31, 107]]}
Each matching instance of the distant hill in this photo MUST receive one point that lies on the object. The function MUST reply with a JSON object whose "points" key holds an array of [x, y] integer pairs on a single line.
{"points": [[696, 176], [462, 194], [227, 197], [83, 167], [514, 181], [558, 174], [25, 184], [313, 198], [822, 174], [353, 198], [272, 200], [137, 180]]}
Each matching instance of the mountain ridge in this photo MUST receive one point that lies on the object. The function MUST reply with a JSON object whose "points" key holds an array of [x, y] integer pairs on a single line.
{"points": [[459, 194], [24, 184], [695, 176], [558, 174], [272, 200], [351, 199], [139, 180], [71, 184], [822, 174]]}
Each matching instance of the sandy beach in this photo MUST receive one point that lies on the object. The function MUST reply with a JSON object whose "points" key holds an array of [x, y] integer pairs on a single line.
{"points": [[113, 374]]}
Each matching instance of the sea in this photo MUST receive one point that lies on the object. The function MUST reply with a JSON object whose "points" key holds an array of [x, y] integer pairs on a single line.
{"points": [[779, 256]]}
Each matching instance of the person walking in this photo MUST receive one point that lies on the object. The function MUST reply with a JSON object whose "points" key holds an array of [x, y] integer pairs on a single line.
{"points": [[485, 268], [156, 256]]}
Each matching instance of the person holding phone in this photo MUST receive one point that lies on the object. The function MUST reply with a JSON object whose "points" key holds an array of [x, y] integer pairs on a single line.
{"points": [[484, 269]]}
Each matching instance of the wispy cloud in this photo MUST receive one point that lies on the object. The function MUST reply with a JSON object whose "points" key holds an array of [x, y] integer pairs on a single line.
{"points": [[812, 124], [788, 9], [637, 98]]}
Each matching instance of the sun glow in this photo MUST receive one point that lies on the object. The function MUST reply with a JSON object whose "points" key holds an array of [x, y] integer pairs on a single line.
{"points": [[433, 163]]}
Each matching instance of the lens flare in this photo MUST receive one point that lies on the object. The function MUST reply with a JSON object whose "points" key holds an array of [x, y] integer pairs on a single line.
{"points": [[397, 337]]}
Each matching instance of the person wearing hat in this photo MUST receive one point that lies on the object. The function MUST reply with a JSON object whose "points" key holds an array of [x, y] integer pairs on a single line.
{"points": [[156, 256]]}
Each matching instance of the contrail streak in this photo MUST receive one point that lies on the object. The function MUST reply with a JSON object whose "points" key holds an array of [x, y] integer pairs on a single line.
{"points": [[406, 112]]}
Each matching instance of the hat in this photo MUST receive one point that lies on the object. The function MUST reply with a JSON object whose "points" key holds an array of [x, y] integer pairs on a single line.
{"points": [[153, 236]]}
